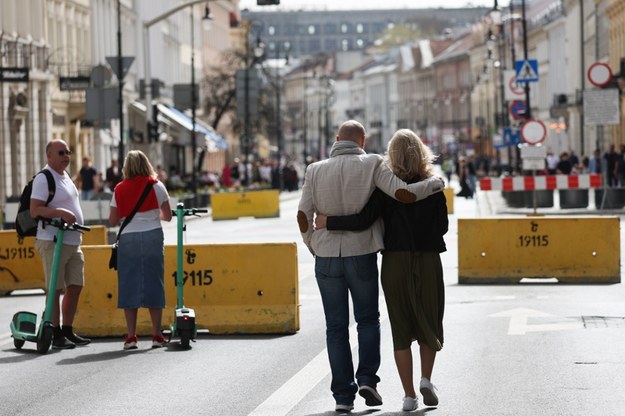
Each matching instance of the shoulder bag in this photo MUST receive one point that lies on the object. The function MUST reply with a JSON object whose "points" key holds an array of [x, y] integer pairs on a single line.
{"points": [[113, 259]]}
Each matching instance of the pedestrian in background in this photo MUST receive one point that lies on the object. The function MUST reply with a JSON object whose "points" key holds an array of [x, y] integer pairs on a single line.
{"points": [[412, 273], [620, 168], [346, 263], [564, 166], [463, 179], [113, 175], [140, 256], [65, 205], [596, 164], [87, 179], [611, 158]]}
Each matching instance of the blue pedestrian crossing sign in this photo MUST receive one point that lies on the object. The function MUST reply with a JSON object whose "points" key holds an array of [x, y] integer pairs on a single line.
{"points": [[526, 71], [511, 137]]}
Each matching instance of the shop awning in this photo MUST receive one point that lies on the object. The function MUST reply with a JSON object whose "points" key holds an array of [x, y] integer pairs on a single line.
{"points": [[185, 121], [176, 120]]}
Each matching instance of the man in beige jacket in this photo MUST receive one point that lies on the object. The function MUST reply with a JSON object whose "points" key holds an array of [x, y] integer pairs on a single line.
{"points": [[346, 261]]}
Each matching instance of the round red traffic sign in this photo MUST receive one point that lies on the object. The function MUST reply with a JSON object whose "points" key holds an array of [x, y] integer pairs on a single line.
{"points": [[533, 131], [515, 88], [599, 74]]}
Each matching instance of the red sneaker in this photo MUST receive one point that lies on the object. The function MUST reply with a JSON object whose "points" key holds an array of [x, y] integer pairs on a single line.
{"points": [[131, 343], [158, 341]]}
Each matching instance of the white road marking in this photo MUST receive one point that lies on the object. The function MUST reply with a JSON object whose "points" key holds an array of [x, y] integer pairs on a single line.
{"points": [[293, 391], [518, 321]]}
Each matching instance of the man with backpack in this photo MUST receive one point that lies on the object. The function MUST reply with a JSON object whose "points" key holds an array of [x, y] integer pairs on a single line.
{"points": [[65, 205]]}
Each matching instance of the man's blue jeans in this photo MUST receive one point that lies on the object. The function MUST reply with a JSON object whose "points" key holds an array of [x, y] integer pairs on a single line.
{"points": [[358, 276]]}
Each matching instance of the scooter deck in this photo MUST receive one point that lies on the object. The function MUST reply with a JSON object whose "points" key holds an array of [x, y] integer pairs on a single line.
{"points": [[24, 322], [24, 326]]}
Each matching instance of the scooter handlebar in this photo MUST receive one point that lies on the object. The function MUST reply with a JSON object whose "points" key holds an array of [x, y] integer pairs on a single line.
{"points": [[80, 227], [189, 211], [60, 223]]}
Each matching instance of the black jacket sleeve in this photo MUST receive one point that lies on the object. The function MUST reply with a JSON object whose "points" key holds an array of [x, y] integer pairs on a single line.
{"points": [[443, 216], [364, 219]]}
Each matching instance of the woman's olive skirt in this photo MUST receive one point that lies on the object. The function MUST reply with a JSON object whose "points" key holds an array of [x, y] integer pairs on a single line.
{"points": [[415, 297]]}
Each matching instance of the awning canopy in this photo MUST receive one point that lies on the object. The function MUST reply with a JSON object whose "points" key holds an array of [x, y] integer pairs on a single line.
{"points": [[177, 120], [186, 122]]}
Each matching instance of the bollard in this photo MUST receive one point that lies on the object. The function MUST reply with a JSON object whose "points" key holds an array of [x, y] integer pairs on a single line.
{"points": [[571, 249], [233, 288], [449, 198], [233, 205], [20, 264]]}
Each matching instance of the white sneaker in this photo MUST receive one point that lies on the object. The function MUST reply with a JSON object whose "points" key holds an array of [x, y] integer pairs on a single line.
{"points": [[410, 404], [427, 390], [344, 408]]}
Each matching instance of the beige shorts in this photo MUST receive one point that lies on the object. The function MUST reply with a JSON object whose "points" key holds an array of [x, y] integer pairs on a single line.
{"points": [[71, 264]]}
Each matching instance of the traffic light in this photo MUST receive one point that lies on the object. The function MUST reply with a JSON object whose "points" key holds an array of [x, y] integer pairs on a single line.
{"points": [[267, 2], [152, 132]]}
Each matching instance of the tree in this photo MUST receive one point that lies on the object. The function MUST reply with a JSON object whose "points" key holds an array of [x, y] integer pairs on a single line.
{"points": [[220, 91]]}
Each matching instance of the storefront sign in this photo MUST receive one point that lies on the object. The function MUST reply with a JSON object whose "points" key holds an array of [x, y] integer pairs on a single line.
{"points": [[74, 83], [13, 74]]}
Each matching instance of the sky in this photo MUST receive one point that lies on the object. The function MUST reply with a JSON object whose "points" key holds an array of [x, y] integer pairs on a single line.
{"points": [[363, 4]]}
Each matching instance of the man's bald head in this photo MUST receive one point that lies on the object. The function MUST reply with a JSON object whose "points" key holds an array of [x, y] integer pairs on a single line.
{"points": [[352, 131]]}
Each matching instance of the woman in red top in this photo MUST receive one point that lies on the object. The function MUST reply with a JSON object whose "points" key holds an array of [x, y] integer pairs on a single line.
{"points": [[140, 256]]}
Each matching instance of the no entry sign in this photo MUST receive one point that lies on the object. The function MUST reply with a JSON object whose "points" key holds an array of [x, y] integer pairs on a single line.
{"points": [[533, 131], [599, 74]]}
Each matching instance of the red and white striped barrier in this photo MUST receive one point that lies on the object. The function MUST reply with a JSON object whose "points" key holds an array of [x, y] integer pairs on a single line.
{"points": [[529, 183]]}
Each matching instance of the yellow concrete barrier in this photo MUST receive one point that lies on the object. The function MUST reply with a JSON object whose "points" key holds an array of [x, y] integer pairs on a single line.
{"points": [[233, 205], [449, 197], [20, 264], [233, 288], [571, 249]]}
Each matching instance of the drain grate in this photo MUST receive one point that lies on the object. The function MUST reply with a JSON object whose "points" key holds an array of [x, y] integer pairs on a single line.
{"points": [[595, 322]]}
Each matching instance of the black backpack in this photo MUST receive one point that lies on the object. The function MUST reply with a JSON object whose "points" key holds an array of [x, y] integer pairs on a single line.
{"points": [[26, 225]]}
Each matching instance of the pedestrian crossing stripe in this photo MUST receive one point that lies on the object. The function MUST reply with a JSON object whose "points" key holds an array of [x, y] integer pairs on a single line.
{"points": [[526, 71]]}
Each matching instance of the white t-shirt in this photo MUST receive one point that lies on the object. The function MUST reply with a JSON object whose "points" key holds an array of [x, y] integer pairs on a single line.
{"points": [[147, 220], [65, 196]]}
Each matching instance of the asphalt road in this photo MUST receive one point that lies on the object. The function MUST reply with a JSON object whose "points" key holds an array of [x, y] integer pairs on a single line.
{"points": [[522, 349]]}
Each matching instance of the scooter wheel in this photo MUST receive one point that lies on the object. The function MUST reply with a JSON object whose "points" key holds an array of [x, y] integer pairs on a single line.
{"points": [[43, 343], [18, 343], [185, 338]]}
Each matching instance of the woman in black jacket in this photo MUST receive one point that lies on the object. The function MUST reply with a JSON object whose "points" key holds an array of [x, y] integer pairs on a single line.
{"points": [[412, 273]]}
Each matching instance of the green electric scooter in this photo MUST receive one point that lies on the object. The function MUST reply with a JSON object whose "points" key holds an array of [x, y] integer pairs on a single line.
{"points": [[24, 324], [184, 326]]}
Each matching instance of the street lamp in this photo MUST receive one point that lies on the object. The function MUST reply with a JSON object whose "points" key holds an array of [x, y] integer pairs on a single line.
{"points": [[327, 89], [528, 107], [148, 75], [259, 52], [279, 133], [206, 22]]}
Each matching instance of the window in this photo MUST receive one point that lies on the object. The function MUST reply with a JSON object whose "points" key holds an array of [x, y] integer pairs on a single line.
{"points": [[344, 28], [329, 29], [360, 28], [271, 30], [345, 45], [314, 45], [312, 29], [360, 43], [331, 44]]}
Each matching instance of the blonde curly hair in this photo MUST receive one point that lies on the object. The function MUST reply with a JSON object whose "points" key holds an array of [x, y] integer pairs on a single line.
{"points": [[409, 158]]}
